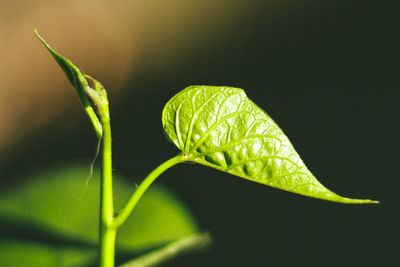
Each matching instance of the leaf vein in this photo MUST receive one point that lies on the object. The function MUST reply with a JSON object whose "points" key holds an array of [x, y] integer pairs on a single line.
{"points": [[223, 103], [242, 139], [177, 130], [215, 125], [262, 158], [195, 114]]}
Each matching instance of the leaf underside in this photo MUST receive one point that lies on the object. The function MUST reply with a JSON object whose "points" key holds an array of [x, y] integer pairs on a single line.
{"points": [[221, 128], [72, 72], [80, 82]]}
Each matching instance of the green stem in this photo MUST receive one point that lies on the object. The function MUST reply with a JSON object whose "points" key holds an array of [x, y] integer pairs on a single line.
{"points": [[107, 232], [95, 121], [118, 221], [171, 250], [107, 246]]}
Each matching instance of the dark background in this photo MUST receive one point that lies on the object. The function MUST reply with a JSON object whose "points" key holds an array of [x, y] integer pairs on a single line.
{"points": [[328, 75]]}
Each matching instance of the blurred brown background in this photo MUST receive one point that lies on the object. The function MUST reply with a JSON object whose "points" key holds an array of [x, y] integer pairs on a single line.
{"points": [[326, 71], [114, 40]]}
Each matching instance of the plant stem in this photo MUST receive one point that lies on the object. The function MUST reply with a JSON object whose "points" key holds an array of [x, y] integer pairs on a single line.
{"points": [[126, 211], [171, 250], [98, 128], [107, 246], [107, 232]]}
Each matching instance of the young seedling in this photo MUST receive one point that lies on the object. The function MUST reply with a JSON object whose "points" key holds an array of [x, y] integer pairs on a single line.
{"points": [[215, 126]]}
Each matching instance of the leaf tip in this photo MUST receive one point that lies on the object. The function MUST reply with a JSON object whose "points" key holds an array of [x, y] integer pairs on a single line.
{"points": [[44, 42], [35, 31], [361, 201], [369, 201]]}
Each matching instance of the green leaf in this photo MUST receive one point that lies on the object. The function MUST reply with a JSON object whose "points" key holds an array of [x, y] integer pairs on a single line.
{"points": [[221, 128], [52, 219], [89, 96], [16, 253]]}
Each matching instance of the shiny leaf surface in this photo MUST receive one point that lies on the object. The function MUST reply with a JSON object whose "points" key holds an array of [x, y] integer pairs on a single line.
{"points": [[221, 128]]}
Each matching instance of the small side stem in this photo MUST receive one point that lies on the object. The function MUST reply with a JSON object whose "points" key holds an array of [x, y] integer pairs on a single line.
{"points": [[126, 211], [107, 233], [98, 128], [171, 250]]}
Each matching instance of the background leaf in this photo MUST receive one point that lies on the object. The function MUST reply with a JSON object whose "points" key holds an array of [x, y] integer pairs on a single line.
{"points": [[221, 128], [53, 220]]}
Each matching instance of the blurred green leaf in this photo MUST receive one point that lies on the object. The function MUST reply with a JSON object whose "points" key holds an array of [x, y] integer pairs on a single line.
{"points": [[23, 253], [52, 219], [221, 128]]}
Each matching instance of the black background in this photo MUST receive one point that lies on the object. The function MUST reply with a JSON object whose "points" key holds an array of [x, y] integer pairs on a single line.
{"points": [[330, 79]]}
